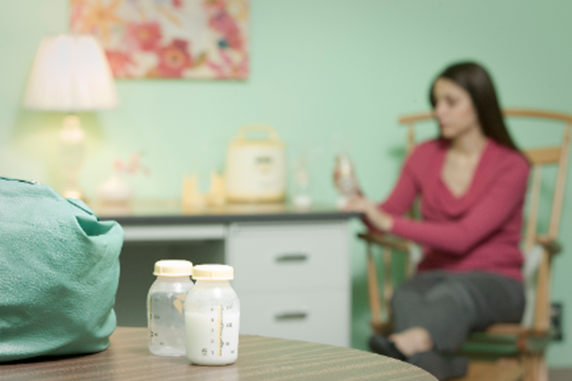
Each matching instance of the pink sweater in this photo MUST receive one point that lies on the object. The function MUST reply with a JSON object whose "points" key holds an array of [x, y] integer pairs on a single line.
{"points": [[481, 230]]}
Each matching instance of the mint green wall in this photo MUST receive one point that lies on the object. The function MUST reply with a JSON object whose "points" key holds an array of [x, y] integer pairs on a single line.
{"points": [[319, 69]]}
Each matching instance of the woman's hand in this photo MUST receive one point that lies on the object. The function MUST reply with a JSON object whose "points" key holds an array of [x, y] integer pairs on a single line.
{"points": [[378, 218]]}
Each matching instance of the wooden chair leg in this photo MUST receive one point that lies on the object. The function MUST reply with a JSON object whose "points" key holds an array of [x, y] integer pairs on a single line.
{"points": [[380, 320], [535, 367], [387, 281], [373, 291]]}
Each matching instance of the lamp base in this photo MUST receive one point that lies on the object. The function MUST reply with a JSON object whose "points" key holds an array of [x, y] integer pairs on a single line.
{"points": [[72, 139]]}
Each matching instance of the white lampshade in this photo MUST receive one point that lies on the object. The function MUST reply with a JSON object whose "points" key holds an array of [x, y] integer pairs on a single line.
{"points": [[70, 74]]}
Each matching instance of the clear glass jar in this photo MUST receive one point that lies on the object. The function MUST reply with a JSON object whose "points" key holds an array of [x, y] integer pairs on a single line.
{"points": [[166, 307], [345, 180], [212, 317]]}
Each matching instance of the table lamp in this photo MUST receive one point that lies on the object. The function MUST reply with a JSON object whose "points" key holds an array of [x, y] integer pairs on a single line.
{"points": [[71, 74]]}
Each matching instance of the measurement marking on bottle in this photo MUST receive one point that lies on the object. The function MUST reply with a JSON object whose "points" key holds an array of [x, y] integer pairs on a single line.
{"points": [[220, 327]]}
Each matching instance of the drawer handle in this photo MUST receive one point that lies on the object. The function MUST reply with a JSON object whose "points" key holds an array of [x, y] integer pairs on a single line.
{"points": [[295, 315], [292, 257]]}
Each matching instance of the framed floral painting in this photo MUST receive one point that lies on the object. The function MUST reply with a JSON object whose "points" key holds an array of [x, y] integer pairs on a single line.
{"points": [[204, 39]]}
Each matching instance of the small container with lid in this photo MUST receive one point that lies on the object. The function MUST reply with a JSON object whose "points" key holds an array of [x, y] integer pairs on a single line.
{"points": [[212, 317], [166, 307]]}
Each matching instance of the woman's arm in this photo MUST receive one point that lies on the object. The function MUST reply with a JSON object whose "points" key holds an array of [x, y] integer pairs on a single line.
{"points": [[380, 217], [401, 198], [374, 218], [487, 216]]}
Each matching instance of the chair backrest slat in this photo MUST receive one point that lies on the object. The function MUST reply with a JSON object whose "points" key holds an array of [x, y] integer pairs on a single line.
{"points": [[544, 155], [531, 226], [557, 116], [410, 137], [560, 184]]}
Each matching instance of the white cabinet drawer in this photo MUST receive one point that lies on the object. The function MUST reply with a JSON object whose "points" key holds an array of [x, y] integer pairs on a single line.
{"points": [[316, 317], [290, 256]]}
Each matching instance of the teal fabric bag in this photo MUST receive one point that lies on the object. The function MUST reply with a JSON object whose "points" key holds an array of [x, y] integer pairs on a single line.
{"points": [[59, 270]]}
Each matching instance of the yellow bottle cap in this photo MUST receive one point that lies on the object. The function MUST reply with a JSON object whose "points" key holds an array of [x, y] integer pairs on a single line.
{"points": [[171, 267], [213, 272]]}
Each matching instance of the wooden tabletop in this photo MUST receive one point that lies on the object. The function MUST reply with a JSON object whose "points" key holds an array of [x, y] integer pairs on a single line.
{"points": [[259, 358]]}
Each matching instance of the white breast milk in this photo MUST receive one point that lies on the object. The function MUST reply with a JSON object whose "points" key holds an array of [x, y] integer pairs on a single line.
{"points": [[212, 317], [212, 339]]}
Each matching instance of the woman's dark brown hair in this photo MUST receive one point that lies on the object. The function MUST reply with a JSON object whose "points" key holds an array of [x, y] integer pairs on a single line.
{"points": [[476, 81]]}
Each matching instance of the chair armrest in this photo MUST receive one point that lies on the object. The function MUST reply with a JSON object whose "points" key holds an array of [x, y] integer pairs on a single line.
{"points": [[388, 240], [550, 244], [507, 329]]}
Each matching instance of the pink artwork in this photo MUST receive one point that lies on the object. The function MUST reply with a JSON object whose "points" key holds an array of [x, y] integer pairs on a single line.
{"points": [[205, 39]]}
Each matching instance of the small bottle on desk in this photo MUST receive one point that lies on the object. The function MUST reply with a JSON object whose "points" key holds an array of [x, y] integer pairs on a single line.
{"points": [[212, 317], [166, 307]]}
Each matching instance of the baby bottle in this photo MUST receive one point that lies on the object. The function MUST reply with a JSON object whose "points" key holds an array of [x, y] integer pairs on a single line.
{"points": [[212, 317], [166, 305], [345, 179]]}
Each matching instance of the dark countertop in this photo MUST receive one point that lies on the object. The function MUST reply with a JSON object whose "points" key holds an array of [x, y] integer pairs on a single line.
{"points": [[171, 213]]}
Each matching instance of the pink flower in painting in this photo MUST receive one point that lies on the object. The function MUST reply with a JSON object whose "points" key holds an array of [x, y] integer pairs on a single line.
{"points": [[229, 69], [146, 35], [222, 22], [174, 59], [119, 63]]}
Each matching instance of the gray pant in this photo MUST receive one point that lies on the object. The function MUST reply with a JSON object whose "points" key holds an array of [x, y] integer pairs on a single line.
{"points": [[451, 305]]}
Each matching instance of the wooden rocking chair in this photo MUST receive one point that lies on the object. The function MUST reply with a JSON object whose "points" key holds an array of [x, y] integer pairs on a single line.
{"points": [[524, 346]]}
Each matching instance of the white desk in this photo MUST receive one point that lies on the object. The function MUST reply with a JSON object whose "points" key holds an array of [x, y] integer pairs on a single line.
{"points": [[292, 267]]}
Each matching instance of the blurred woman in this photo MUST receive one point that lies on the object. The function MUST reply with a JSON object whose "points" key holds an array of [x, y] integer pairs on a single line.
{"points": [[471, 181]]}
